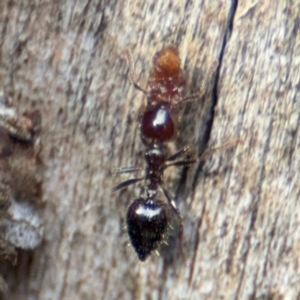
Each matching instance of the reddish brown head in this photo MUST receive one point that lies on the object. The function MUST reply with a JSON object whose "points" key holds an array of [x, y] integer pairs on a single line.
{"points": [[167, 81], [166, 63]]}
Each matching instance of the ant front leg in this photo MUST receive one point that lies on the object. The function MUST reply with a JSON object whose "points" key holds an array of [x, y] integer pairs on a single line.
{"points": [[203, 84], [178, 215], [132, 78]]}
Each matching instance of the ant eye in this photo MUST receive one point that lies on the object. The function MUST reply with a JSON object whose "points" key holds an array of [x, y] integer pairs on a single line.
{"points": [[147, 223]]}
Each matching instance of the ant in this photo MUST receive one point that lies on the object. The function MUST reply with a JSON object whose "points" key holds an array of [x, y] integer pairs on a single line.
{"points": [[148, 217]]}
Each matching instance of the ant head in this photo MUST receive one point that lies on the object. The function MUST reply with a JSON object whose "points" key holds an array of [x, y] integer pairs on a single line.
{"points": [[147, 222]]}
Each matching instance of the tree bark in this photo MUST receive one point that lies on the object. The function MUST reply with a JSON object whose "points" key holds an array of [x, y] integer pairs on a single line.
{"points": [[240, 206]]}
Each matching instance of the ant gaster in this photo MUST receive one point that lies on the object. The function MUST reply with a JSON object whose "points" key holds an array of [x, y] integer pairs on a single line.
{"points": [[148, 217]]}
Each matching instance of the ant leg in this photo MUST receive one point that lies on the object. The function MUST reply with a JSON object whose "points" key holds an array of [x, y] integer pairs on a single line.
{"points": [[186, 162], [178, 215], [125, 184], [126, 170], [205, 155], [180, 153], [203, 84], [132, 78]]}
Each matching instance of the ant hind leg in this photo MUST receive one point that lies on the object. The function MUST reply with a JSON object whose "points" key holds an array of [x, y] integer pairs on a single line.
{"points": [[180, 223]]}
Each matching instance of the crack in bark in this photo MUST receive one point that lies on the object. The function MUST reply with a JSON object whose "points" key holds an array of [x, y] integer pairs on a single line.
{"points": [[196, 246]]}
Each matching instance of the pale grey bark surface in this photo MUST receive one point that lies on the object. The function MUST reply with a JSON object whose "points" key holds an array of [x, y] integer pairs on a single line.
{"points": [[241, 210]]}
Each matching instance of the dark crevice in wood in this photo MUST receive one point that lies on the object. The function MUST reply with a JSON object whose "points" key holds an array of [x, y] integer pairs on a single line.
{"points": [[271, 234], [99, 32], [214, 100], [196, 246], [202, 145], [232, 15], [226, 38], [232, 251], [163, 278]]}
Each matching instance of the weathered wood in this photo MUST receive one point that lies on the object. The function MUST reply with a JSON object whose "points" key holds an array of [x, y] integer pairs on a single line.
{"points": [[241, 213]]}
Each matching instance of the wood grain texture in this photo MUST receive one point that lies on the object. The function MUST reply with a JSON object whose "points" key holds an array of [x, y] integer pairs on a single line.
{"points": [[241, 210]]}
